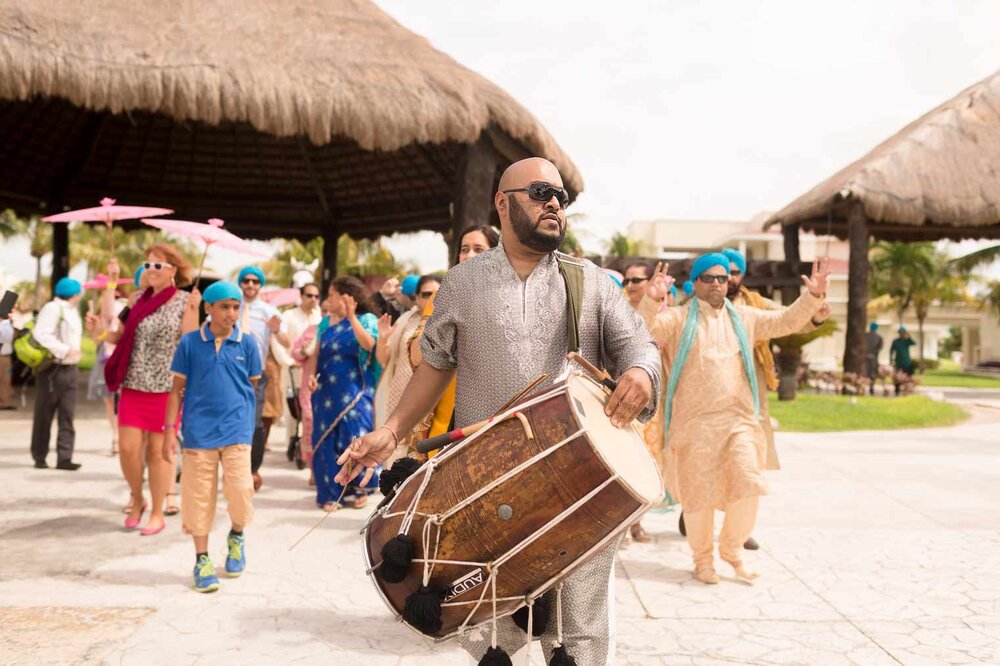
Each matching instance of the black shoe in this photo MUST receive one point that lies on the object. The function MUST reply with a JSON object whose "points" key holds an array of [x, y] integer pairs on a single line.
{"points": [[680, 526], [68, 466], [41, 464], [8, 408], [751, 544]]}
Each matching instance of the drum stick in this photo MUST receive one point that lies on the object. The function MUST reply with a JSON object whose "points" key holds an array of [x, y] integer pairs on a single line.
{"points": [[600, 375], [444, 439]]}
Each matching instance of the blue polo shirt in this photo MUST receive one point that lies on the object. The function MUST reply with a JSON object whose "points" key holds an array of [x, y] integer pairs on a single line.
{"points": [[219, 398]]}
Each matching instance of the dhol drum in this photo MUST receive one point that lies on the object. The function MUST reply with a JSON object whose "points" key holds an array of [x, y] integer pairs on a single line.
{"points": [[496, 520]]}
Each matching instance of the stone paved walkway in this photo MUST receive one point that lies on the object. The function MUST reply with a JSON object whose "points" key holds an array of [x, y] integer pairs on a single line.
{"points": [[878, 548]]}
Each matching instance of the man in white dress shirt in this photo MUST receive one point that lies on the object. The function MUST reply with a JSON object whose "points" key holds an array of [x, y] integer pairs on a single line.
{"points": [[58, 329]]}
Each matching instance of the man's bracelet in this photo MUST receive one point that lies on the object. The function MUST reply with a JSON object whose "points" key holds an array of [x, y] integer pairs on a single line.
{"points": [[395, 437]]}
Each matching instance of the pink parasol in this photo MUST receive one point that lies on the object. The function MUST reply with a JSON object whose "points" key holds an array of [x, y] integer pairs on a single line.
{"points": [[210, 233], [108, 213], [281, 297]]}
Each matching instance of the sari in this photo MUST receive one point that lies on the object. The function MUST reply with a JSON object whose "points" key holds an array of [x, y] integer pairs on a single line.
{"points": [[342, 405]]}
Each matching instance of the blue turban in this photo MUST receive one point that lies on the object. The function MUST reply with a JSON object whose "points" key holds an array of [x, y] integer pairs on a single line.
{"points": [[67, 287], [873, 327], [409, 286], [902, 329], [220, 291], [673, 291], [138, 275], [252, 270], [688, 288], [615, 280], [702, 264], [736, 257]]}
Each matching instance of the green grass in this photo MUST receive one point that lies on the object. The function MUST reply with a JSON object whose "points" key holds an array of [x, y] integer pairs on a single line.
{"points": [[810, 412], [950, 374]]}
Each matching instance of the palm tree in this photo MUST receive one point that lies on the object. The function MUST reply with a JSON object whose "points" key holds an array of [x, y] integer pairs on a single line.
{"points": [[982, 257], [39, 235], [622, 246], [991, 297], [89, 243], [943, 283], [897, 270]]}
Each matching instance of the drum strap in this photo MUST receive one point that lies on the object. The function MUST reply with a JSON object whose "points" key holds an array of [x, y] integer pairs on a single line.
{"points": [[572, 274]]}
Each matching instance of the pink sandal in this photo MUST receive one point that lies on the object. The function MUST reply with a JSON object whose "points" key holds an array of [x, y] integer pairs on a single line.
{"points": [[132, 523]]}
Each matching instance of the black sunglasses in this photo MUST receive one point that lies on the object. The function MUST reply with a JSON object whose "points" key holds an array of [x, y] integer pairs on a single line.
{"points": [[539, 191], [250, 281], [634, 280], [709, 279], [427, 294], [735, 272]]}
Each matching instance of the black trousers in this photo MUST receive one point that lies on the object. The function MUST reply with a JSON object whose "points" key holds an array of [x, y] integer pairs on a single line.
{"points": [[55, 392], [257, 446]]}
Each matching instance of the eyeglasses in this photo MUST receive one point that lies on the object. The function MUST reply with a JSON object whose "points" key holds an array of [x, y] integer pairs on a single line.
{"points": [[250, 281], [735, 273], [427, 294], [709, 279], [539, 191], [628, 281], [313, 296], [157, 265]]}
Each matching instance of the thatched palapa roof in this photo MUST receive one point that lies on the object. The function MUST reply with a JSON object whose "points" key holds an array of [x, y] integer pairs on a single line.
{"points": [[939, 177], [161, 80]]}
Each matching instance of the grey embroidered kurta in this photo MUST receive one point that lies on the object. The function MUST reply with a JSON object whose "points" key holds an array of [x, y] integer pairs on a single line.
{"points": [[501, 333]]}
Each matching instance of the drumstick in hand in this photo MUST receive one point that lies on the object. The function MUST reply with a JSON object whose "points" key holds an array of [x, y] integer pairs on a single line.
{"points": [[600, 375]]}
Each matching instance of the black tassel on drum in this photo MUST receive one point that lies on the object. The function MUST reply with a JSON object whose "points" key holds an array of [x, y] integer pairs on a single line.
{"points": [[400, 471], [496, 656], [423, 610], [397, 556], [539, 617], [560, 657]]}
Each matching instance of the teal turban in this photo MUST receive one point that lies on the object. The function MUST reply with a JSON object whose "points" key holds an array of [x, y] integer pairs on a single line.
{"points": [[736, 257], [67, 287], [702, 264], [252, 270], [409, 285], [873, 327], [138, 274], [220, 291]]}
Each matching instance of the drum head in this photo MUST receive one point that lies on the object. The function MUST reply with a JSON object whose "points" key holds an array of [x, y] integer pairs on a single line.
{"points": [[623, 450]]}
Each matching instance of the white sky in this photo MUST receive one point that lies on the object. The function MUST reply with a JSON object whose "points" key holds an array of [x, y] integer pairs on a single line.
{"points": [[703, 110]]}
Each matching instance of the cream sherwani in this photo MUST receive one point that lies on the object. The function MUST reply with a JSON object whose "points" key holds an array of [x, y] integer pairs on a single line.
{"points": [[716, 448]]}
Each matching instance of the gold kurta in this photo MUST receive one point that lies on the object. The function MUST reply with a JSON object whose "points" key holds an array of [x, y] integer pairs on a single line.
{"points": [[771, 462], [716, 448], [652, 430]]}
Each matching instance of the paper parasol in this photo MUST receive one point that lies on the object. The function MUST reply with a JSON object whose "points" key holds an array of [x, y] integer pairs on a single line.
{"points": [[108, 213], [210, 233]]}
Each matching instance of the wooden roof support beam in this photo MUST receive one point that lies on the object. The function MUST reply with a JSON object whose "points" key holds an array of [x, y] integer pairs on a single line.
{"points": [[857, 290], [475, 185]]}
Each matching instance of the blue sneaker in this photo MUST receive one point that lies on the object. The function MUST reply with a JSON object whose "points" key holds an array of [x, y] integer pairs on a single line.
{"points": [[236, 561], [205, 579]]}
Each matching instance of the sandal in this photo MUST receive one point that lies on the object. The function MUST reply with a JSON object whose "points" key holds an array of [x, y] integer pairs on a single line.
{"points": [[172, 509], [330, 507]]}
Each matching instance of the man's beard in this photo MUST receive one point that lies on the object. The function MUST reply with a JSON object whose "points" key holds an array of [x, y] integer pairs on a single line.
{"points": [[733, 288], [528, 233]]}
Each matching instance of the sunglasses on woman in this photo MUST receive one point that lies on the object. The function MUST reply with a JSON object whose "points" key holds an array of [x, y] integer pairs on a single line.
{"points": [[157, 265], [709, 279], [539, 191], [636, 280]]}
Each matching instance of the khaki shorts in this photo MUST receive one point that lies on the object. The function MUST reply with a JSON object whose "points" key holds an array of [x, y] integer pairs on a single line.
{"points": [[200, 487]]}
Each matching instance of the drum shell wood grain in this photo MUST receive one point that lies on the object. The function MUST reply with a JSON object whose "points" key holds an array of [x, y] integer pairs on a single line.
{"points": [[535, 496]]}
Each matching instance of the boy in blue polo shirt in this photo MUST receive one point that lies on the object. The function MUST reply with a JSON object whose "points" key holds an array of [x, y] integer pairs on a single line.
{"points": [[216, 369]]}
